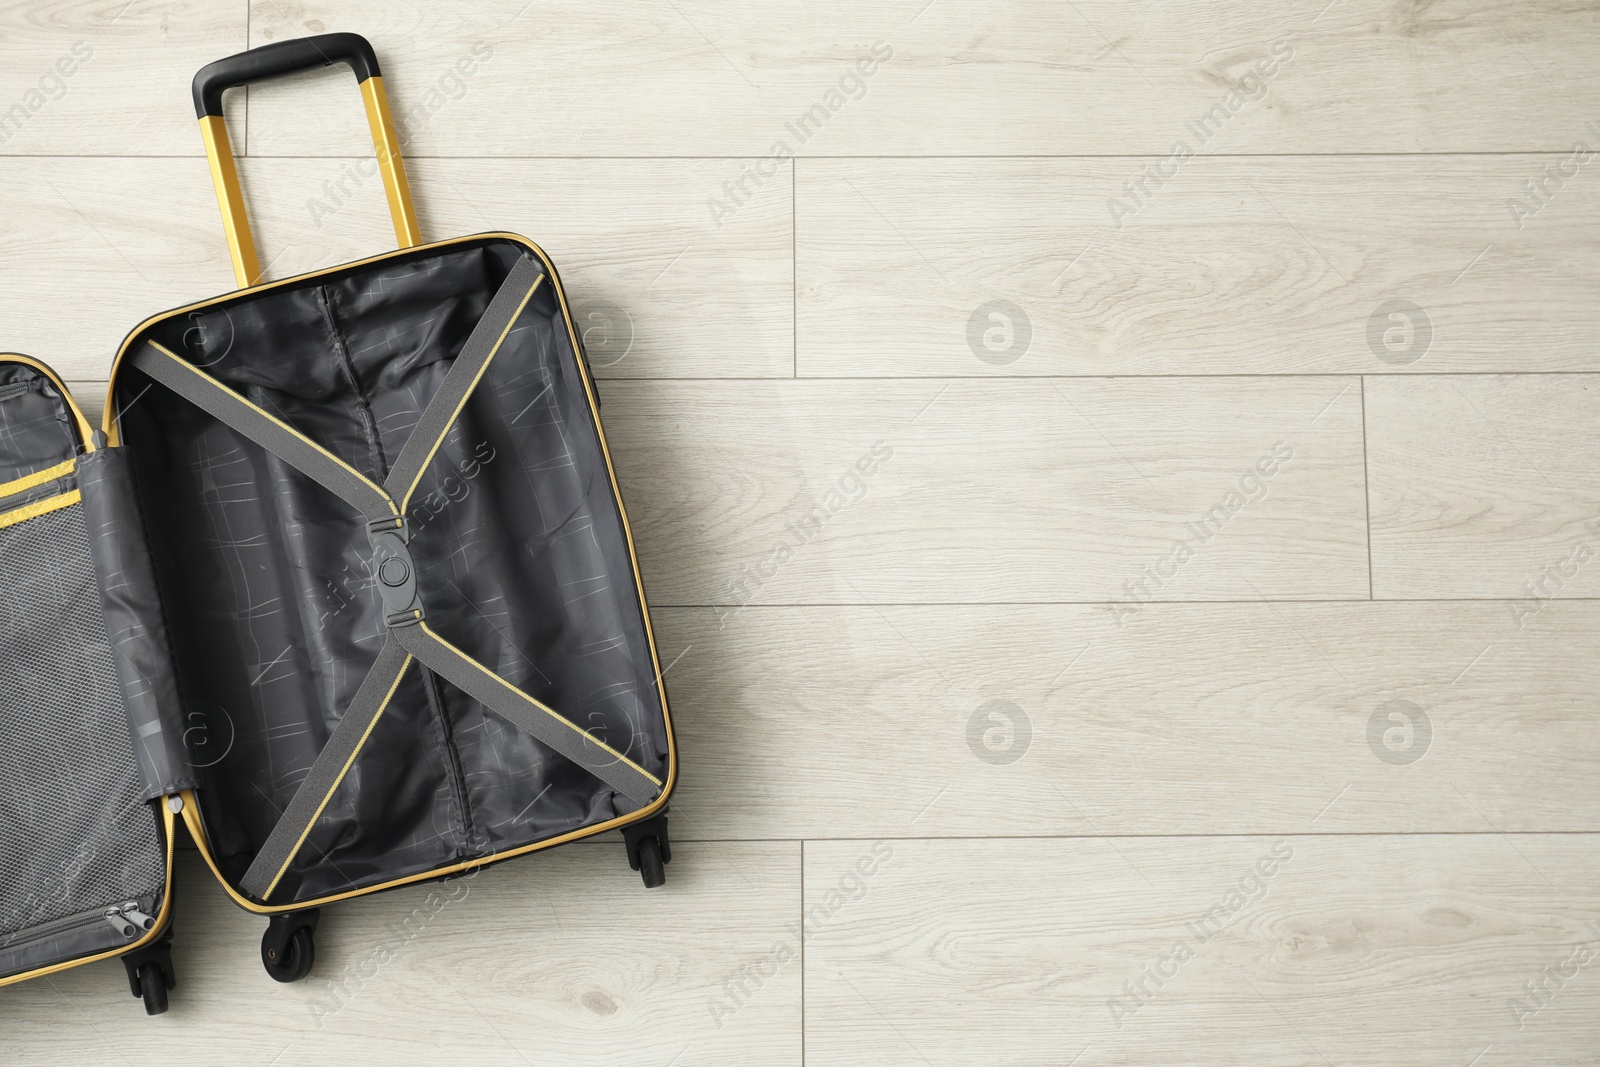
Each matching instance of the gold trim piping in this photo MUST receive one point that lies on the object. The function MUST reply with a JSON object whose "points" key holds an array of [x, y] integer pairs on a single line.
{"points": [[28, 481], [150, 935], [40, 507], [197, 832], [622, 512], [108, 421]]}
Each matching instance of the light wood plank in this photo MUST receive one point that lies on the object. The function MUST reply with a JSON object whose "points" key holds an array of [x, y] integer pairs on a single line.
{"points": [[91, 397], [560, 959], [749, 492], [108, 78], [1225, 266], [1379, 951], [1194, 719], [1485, 486], [658, 293], [1011, 78], [93, 247]]}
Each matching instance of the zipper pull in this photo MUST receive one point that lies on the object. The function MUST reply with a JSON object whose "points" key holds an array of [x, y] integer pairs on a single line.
{"points": [[139, 918], [120, 923]]}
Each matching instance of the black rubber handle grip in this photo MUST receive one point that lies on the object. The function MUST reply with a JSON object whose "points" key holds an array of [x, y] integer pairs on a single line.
{"points": [[275, 60]]}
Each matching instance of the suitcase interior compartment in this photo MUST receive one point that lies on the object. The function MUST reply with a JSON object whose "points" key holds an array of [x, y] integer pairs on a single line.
{"points": [[522, 557], [78, 836]]}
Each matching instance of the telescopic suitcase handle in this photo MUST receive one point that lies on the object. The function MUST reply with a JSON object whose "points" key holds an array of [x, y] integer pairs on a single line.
{"points": [[275, 60]]}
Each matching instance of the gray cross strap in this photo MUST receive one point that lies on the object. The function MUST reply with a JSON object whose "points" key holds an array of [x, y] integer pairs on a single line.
{"points": [[409, 635], [417, 640], [316, 462], [459, 382], [527, 714], [346, 741], [266, 430]]}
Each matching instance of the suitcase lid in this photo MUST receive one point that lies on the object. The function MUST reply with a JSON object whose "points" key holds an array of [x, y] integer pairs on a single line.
{"points": [[51, 459], [86, 858]]}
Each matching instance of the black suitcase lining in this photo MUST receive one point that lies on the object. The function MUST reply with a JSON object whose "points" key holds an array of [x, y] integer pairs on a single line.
{"points": [[516, 533]]}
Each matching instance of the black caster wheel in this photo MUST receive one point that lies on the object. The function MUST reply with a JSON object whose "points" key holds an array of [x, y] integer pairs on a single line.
{"points": [[649, 849], [651, 869], [292, 962], [150, 973], [153, 989], [287, 948]]}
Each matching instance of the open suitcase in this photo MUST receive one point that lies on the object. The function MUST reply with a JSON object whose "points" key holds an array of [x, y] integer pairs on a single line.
{"points": [[368, 607]]}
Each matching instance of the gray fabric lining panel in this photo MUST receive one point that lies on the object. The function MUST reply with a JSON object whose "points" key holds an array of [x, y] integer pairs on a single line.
{"points": [[71, 941], [79, 837], [36, 428]]}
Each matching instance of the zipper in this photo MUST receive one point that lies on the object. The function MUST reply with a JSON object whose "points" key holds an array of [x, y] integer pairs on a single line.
{"points": [[447, 733], [126, 918]]}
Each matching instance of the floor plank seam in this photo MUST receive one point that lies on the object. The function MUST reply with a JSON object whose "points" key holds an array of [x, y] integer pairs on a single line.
{"points": [[1366, 485], [1185, 836], [794, 263], [778, 378], [1045, 157], [802, 928], [1105, 603]]}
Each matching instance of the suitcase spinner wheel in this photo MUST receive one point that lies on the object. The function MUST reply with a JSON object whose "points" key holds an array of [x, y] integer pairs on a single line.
{"points": [[150, 973], [288, 948], [649, 849]]}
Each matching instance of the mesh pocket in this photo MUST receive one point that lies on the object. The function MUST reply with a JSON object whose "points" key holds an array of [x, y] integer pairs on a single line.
{"points": [[74, 835]]}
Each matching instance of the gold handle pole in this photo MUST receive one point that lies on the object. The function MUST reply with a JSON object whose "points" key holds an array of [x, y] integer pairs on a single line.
{"points": [[230, 198], [387, 146], [230, 194]]}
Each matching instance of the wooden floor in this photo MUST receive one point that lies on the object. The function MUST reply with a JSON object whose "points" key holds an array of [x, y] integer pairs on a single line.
{"points": [[1117, 487]]}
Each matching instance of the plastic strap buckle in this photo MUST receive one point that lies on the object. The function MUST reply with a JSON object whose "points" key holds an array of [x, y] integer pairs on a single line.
{"points": [[394, 572]]}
